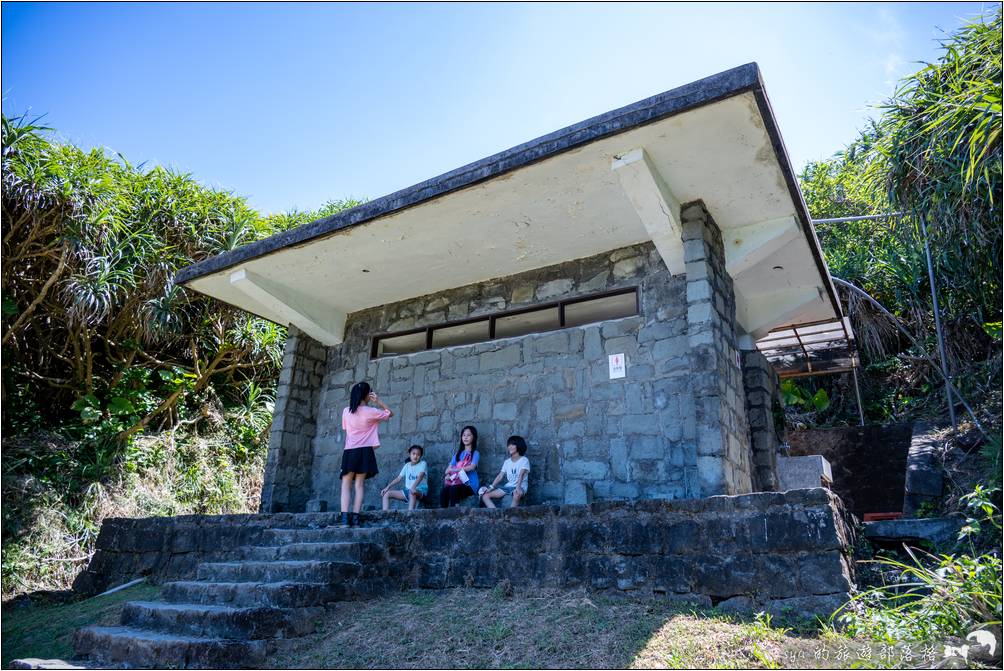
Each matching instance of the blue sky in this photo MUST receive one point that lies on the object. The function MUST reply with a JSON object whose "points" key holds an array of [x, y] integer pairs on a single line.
{"points": [[293, 104]]}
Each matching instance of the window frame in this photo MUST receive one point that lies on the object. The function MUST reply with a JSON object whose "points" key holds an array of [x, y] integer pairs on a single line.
{"points": [[428, 330]]}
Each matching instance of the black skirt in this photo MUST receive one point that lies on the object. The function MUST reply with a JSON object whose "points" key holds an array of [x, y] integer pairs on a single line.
{"points": [[359, 460]]}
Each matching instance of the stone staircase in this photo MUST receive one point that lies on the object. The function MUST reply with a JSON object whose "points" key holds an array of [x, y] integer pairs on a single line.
{"points": [[235, 612]]}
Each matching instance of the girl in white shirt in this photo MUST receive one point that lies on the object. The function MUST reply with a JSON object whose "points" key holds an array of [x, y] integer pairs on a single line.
{"points": [[516, 470]]}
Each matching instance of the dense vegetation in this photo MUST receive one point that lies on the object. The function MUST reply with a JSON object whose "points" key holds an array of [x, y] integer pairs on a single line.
{"points": [[934, 154], [124, 394]]}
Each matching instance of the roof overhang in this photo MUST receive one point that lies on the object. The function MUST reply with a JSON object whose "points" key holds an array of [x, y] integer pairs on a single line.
{"points": [[614, 180]]}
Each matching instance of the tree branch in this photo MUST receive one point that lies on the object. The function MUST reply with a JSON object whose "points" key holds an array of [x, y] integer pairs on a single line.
{"points": [[41, 294]]}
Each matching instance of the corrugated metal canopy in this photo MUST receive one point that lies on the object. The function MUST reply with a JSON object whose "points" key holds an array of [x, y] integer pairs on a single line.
{"points": [[812, 348]]}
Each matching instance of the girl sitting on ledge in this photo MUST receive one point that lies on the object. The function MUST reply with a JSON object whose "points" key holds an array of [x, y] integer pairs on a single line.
{"points": [[416, 485], [462, 473], [516, 470]]}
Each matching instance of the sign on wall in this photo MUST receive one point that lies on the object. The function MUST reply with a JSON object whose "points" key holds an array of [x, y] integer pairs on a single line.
{"points": [[618, 366]]}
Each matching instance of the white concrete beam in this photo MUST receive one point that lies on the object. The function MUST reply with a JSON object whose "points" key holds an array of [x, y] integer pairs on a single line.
{"points": [[748, 246], [322, 323], [655, 204], [758, 315]]}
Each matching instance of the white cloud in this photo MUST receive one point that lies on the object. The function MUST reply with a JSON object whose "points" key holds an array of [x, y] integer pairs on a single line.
{"points": [[886, 38]]}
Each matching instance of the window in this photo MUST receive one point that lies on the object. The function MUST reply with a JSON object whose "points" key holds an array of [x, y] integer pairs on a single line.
{"points": [[401, 344], [601, 309], [462, 334], [533, 321], [575, 312]]}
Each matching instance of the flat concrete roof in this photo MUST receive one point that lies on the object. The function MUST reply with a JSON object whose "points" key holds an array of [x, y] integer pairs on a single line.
{"points": [[644, 163]]}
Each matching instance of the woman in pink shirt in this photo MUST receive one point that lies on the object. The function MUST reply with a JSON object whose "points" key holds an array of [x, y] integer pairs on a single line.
{"points": [[361, 437]]}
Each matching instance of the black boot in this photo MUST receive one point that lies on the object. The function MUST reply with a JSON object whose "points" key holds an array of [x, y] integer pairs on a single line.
{"points": [[356, 521], [345, 519]]}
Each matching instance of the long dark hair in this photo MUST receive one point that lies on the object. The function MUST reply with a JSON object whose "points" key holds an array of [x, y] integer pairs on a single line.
{"points": [[360, 390], [474, 442]]}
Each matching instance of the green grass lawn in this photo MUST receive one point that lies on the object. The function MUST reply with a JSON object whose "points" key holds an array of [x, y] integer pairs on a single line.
{"points": [[47, 631]]}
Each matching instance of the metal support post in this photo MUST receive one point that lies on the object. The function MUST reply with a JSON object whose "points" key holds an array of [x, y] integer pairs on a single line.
{"points": [[937, 323]]}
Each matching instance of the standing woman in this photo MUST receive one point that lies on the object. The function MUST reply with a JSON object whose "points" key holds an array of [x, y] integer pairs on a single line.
{"points": [[462, 473], [361, 437]]}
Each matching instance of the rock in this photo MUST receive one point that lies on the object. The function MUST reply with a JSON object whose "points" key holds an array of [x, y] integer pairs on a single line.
{"points": [[935, 530]]}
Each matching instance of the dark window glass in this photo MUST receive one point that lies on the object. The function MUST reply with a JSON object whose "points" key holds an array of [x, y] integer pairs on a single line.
{"points": [[402, 344], [601, 309], [576, 313], [527, 322], [461, 334]]}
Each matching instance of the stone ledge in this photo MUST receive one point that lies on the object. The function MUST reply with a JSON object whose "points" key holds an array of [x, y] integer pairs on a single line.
{"points": [[765, 548]]}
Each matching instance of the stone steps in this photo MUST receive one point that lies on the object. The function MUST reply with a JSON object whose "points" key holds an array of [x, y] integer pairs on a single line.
{"points": [[249, 594], [283, 537], [343, 551], [155, 649], [198, 619], [234, 612], [278, 571]]}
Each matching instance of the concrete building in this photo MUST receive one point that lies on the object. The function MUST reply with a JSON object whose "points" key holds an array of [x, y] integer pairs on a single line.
{"points": [[668, 238]]}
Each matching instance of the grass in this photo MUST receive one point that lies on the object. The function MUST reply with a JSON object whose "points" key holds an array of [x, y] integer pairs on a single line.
{"points": [[502, 628], [46, 631]]}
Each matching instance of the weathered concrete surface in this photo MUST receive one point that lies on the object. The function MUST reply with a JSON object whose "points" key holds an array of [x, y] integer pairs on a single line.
{"points": [[803, 472], [924, 472], [936, 530], [704, 91]]}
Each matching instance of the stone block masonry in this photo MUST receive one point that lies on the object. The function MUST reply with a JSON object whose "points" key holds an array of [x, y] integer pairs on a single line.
{"points": [[786, 553], [590, 437], [723, 438], [294, 425], [675, 427], [765, 410]]}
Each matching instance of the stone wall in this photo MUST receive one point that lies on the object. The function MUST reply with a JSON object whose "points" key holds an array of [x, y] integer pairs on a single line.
{"points": [[168, 548], [290, 445], [675, 427], [723, 447], [765, 409], [786, 553], [589, 437]]}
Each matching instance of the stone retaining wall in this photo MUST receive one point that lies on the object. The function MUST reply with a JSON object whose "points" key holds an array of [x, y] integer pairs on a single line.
{"points": [[784, 552]]}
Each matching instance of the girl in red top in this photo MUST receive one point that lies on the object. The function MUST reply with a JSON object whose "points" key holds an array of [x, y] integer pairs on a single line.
{"points": [[361, 437]]}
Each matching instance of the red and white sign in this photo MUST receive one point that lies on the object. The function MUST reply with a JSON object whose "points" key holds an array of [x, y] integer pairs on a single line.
{"points": [[618, 366]]}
